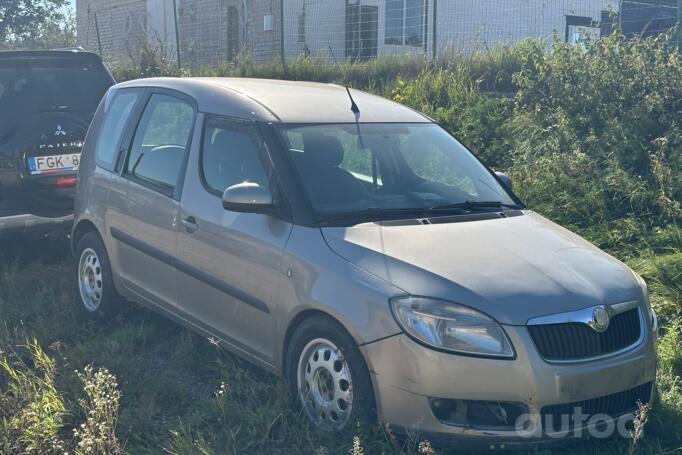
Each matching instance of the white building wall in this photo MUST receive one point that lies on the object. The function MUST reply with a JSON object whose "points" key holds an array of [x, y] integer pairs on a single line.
{"points": [[161, 27], [461, 25], [323, 27], [119, 27], [466, 25]]}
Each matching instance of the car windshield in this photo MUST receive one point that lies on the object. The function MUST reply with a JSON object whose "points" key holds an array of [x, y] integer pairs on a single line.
{"points": [[28, 91], [372, 170]]}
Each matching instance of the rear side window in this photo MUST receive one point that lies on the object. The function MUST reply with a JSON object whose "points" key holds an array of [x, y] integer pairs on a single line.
{"points": [[116, 111], [160, 144], [231, 155]]}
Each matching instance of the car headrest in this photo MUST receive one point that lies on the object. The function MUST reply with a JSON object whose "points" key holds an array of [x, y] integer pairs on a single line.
{"points": [[322, 150], [232, 146], [221, 141]]}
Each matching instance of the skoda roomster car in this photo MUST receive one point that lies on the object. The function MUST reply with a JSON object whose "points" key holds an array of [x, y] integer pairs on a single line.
{"points": [[354, 247]]}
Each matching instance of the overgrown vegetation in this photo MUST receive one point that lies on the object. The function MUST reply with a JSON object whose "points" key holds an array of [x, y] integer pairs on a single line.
{"points": [[35, 415], [592, 137], [36, 24]]}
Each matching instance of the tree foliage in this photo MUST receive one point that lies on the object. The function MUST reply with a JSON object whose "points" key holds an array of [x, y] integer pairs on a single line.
{"points": [[29, 19]]}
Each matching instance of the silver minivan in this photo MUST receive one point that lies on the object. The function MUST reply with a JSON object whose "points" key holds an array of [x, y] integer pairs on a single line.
{"points": [[354, 247]]}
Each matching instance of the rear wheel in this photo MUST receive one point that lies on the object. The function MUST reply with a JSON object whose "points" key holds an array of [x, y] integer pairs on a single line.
{"points": [[96, 291], [327, 376]]}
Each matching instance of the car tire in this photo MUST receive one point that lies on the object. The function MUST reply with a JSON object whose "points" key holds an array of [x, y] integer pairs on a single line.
{"points": [[95, 289], [327, 377]]}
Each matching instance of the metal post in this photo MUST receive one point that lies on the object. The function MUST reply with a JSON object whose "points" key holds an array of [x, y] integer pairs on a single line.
{"points": [[281, 35], [177, 32], [435, 23], [99, 40], [425, 23], [679, 26]]}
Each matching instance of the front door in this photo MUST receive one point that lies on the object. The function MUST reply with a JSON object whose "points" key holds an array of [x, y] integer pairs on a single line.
{"points": [[145, 232], [229, 264]]}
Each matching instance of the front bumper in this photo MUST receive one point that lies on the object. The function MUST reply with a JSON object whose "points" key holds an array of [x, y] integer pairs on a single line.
{"points": [[406, 374]]}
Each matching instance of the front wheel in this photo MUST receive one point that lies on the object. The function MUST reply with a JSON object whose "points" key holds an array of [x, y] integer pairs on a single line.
{"points": [[327, 376]]}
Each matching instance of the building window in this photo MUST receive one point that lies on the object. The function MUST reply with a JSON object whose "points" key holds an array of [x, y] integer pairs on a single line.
{"points": [[580, 29], [405, 22], [394, 21]]}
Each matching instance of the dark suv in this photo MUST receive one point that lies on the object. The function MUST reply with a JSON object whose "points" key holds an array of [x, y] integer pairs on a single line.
{"points": [[47, 99]]}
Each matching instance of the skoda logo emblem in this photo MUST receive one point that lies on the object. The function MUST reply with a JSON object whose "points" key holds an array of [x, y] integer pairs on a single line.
{"points": [[60, 131], [600, 319]]}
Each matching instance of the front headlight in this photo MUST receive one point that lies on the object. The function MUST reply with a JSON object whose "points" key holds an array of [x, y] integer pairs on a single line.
{"points": [[452, 327]]}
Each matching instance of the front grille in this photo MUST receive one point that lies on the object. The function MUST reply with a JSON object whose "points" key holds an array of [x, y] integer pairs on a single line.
{"points": [[575, 340], [613, 405]]}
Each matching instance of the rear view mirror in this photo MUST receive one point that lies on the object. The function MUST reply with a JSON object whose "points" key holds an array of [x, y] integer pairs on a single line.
{"points": [[505, 180], [247, 197]]}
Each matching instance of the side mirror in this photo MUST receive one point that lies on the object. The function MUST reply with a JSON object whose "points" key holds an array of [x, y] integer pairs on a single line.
{"points": [[247, 197], [505, 179]]}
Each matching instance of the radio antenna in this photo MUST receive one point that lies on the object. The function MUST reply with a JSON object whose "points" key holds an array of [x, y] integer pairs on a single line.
{"points": [[353, 106]]}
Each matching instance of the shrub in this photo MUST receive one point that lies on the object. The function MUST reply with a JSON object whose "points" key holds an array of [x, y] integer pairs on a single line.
{"points": [[34, 414], [32, 410], [97, 435], [616, 104]]}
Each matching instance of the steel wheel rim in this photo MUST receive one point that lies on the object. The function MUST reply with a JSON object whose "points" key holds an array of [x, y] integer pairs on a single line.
{"points": [[325, 386], [90, 279]]}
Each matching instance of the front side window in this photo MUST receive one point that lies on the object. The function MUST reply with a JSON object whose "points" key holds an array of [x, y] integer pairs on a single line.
{"points": [[348, 168], [231, 155], [160, 144], [116, 111]]}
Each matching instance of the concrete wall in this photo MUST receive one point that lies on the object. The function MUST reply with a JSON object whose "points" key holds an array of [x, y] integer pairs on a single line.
{"points": [[467, 25], [121, 25], [212, 32], [161, 27], [462, 25], [207, 31], [319, 29], [264, 30]]}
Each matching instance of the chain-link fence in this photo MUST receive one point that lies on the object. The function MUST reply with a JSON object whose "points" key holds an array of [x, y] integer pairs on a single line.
{"points": [[213, 32]]}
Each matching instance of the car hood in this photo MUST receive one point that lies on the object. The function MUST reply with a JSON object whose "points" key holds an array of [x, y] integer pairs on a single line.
{"points": [[513, 269]]}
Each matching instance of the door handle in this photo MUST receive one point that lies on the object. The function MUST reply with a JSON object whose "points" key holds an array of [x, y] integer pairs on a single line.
{"points": [[190, 224]]}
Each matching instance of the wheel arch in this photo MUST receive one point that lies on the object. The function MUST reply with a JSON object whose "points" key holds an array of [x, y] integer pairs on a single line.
{"points": [[306, 315], [81, 228], [299, 319]]}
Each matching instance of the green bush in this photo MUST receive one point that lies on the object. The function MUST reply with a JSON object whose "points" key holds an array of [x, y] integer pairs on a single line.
{"points": [[32, 410], [34, 414], [610, 109]]}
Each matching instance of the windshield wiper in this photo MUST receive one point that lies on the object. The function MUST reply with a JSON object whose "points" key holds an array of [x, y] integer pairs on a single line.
{"points": [[372, 213], [469, 205]]}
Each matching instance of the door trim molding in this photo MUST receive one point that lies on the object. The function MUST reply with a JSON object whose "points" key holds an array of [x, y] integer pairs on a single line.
{"points": [[190, 270], [165, 309]]}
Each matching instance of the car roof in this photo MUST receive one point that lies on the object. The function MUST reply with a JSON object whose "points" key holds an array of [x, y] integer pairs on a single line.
{"points": [[283, 101], [71, 53]]}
